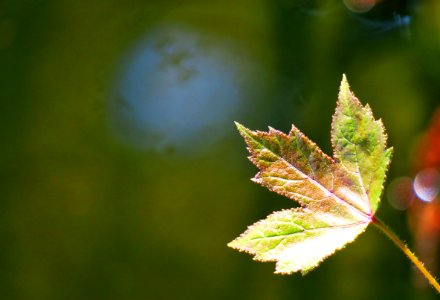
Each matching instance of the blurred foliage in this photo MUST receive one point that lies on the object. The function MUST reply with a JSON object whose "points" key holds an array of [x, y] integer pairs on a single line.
{"points": [[87, 213]]}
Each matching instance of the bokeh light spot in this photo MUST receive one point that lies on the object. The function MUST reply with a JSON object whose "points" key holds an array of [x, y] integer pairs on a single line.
{"points": [[426, 184], [400, 193], [360, 6], [179, 89]]}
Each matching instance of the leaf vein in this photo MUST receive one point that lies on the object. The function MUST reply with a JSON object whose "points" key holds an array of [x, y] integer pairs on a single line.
{"points": [[330, 227]]}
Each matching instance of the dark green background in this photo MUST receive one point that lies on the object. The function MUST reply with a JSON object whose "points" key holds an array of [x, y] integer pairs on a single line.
{"points": [[92, 208]]}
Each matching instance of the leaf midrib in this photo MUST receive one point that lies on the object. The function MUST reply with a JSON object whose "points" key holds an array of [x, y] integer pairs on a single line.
{"points": [[319, 185], [342, 226]]}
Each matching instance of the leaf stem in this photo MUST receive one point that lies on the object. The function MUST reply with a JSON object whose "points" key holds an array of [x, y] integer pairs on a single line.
{"points": [[387, 231]]}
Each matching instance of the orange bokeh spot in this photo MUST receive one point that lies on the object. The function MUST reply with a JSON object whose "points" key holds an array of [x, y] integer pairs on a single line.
{"points": [[360, 6]]}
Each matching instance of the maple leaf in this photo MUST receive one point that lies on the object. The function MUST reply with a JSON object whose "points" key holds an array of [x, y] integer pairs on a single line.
{"points": [[338, 196]]}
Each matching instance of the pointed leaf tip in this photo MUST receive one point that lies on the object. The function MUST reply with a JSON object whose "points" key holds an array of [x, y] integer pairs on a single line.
{"points": [[246, 133], [344, 78], [344, 89], [240, 127]]}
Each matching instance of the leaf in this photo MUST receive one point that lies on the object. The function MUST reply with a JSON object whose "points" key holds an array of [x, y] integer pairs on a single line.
{"points": [[338, 196], [359, 144]]}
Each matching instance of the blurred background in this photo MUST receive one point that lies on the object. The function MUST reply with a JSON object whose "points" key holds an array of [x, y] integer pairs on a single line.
{"points": [[123, 176]]}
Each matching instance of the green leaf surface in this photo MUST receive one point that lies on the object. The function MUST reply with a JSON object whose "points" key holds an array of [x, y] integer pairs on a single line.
{"points": [[359, 144], [338, 195], [297, 239]]}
